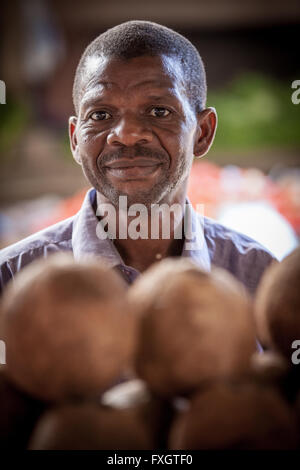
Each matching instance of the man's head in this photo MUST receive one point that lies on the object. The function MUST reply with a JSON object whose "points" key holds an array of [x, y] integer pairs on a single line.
{"points": [[139, 95], [138, 38]]}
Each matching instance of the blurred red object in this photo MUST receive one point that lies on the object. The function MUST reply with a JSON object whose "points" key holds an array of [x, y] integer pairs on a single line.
{"points": [[65, 209], [204, 187], [211, 185], [285, 197]]}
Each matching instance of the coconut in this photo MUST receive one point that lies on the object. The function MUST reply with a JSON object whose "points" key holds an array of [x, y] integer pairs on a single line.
{"points": [[18, 414], [297, 409], [269, 366], [193, 326], [274, 369], [277, 305], [154, 413], [235, 415], [127, 416], [88, 426], [67, 327]]}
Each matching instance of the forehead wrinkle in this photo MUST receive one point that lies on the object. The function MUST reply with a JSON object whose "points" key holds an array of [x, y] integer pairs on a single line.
{"points": [[95, 98], [155, 83], [157, 93], [91, 97], [97, 87], [97, 66], [170, 84], [94, 92]]}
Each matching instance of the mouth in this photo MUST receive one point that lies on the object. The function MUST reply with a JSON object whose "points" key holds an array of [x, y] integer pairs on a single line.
{"points": [[136, 168]]}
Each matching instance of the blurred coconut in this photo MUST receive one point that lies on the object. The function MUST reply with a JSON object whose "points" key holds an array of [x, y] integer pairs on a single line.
{"points": [[193, 326], [67, 328], [297, 409], [235, 415], [127, 417], [269, 366], [277, 305], [152, 411], [18, 414], [274, 369], [89, 426]]}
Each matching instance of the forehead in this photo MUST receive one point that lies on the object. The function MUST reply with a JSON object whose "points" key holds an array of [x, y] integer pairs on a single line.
{"points": [[136, 74]]}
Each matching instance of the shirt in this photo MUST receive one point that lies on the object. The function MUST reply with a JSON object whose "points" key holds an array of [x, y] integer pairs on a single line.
{"points": [[212, 244]]}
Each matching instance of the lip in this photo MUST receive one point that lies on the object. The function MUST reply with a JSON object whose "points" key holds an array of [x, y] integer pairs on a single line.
{"points": [[133, 162], [130, 173]]}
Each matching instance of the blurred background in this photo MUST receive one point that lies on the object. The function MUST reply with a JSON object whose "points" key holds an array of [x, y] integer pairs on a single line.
{"points": [[250, 180]]}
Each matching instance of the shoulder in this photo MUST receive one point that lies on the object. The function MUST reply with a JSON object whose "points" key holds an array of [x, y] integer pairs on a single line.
{"points": [[221, 238], [13, 258], [243, 256]]}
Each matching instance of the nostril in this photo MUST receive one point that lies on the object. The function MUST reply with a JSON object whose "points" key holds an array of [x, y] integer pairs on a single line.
{"points": [[129, 135]]}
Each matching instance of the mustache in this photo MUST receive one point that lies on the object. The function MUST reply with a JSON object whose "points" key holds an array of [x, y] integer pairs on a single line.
{"points": [[132, 152]]}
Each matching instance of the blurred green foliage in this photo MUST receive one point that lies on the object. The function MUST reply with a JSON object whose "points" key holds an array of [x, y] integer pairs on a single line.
{"points": [[65, 145], [13, 121], [255, 111]]}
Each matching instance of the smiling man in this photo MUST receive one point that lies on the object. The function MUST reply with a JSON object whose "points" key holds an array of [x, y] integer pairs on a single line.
{"points": [[140, 101]]}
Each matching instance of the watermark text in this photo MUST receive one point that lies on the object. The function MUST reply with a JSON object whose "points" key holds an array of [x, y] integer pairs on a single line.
{"points": [[160, 221], [296, 354], [2, 92], [296, 94]]}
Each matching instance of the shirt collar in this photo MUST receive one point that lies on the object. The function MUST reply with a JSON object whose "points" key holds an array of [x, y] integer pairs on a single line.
{"points": [[89, 238], [86, 230], [195, 246]]}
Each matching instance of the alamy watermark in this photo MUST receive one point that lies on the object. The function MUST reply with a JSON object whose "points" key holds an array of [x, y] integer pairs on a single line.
{"points": [[2, 92], [161, 221], [296, 354], [2, 352], [296, 94]]}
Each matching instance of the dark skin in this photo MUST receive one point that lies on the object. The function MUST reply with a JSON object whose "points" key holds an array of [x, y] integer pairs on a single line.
{"points": [[136, 134]]}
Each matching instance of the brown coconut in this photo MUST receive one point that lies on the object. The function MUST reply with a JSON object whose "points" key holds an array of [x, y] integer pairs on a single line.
{"points": [[154, 413], [67, 326], [127, 417], [297, 410], [193, 326], [19, 413], [235, 415], [89, 426], [277, 305], [269, 367]]}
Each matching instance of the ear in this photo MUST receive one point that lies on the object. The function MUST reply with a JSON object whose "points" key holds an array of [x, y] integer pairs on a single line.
{"points": [[207, 126], [73, 139]]}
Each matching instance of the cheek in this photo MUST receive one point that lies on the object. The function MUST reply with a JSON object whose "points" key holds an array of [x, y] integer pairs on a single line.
{"points": [[90, 142], [182, 144]]}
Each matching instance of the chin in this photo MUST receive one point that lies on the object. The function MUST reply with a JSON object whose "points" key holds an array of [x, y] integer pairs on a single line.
{"points": [[153, 195], [146, 199]]}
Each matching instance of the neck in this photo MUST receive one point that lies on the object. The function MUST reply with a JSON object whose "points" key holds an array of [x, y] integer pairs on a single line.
{"points": [[144, 253], [149, 235]]}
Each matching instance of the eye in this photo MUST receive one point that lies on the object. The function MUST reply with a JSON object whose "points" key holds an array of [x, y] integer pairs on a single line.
{"points": [[100, 116], [159, 112]]}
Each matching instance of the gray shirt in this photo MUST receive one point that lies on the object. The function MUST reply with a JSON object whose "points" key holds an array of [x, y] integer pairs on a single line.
{"points": [[210, 244]]}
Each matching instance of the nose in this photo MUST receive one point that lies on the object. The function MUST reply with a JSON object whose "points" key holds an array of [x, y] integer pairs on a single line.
{"points": [[128, 131]]}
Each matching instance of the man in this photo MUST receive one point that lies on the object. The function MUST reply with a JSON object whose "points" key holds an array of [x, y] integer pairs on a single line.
{"points": [[139, 95]]}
